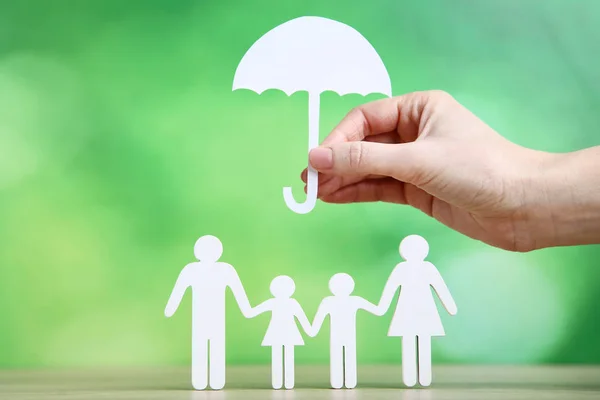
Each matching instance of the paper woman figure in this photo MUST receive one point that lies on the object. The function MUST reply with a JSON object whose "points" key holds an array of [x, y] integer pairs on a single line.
{"points": [[416, 318], [342, 308], [282, 334]]}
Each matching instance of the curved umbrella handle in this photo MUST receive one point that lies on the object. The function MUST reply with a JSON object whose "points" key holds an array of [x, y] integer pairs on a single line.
{"points": [[312, 179], [311, 194]]}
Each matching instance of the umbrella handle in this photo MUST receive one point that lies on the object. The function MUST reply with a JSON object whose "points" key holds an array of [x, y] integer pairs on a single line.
{"points": [[311, 194], [312, 180]]}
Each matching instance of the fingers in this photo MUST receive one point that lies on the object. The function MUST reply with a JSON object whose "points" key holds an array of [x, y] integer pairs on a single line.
{"points": [[331, 183], [404, 162], [388, 190], [396, 114], [334, 183], [338, 182], [390, 137], [322, 178]]}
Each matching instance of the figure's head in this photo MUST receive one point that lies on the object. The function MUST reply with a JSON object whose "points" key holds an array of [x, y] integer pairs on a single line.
{"points": [[208, 249], [341, 284], [414, 248], [282, 286]]}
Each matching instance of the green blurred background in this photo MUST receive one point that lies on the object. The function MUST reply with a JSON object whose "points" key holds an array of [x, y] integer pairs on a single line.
{"points": [[121, 143]]}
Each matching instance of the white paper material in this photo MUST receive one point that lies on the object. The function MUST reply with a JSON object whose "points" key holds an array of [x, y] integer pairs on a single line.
{"points": [[416, 318], [342, 309], [208, 279], [283, 333], [312, 54]]}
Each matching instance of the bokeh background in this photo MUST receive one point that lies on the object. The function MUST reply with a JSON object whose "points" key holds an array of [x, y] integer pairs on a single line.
{"points": [[121, 142]]}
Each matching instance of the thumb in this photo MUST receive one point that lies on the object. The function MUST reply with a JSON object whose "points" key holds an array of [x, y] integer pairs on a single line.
{"points": [[401, 161]]}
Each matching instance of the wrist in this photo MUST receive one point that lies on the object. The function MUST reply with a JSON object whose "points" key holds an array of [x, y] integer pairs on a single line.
{"points": [[564, 203]]}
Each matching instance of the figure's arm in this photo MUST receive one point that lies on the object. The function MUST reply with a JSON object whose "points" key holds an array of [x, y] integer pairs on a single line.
{"points": [[259, 309], [181, 285], [235, 284], [322, 312], [441, 290], [299, 313], [388, 292], [370, 307]]}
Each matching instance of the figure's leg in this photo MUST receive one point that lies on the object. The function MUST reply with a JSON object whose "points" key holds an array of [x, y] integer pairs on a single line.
{"points": [[425, 374], [199, 363], [277, 367], [336, 366], [288, 369], [350, 374], [409, 360], [217, 363]]}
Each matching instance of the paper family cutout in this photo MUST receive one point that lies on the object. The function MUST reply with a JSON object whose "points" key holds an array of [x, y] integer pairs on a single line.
{"points": [[315, 55], [416, 318]]}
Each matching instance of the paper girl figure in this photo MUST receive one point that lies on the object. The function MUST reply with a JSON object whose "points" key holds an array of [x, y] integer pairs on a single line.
{"points": [[416, 318], [282, 334], [342, 309]]}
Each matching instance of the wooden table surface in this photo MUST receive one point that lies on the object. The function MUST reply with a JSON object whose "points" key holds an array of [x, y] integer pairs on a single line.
{"points": [[381, 382]]}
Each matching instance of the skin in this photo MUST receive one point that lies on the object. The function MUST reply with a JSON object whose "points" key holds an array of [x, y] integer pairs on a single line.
{"points": [[426, 150]]}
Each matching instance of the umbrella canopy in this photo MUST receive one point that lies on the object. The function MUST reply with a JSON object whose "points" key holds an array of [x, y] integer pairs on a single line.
{"points": [[312, 54]]}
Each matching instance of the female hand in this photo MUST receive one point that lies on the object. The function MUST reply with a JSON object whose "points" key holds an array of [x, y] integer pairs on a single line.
{"points": [[426, 150]]}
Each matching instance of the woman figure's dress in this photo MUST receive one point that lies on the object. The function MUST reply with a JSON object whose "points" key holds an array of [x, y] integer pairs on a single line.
{"points": [[416, 313]]}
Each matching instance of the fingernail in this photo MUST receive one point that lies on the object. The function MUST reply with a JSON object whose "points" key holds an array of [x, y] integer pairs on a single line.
{"points": [[321, 158]]}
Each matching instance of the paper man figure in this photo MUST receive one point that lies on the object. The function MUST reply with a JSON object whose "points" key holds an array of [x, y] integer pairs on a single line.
{"points": [[416, 318], [342, 309], [282, 334], [208, 279]]}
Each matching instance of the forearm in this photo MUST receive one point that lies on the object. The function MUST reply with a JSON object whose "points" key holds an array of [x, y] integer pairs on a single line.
{"points": [[243, 302], [566, 211], [386, 299], [317, 323], [173, 302]]}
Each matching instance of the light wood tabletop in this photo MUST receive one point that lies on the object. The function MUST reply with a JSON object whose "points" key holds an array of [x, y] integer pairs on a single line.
{"points": [[381, 382]]}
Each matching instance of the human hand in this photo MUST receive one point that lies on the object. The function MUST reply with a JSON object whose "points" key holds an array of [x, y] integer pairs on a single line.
{"points": [[426, 150]]}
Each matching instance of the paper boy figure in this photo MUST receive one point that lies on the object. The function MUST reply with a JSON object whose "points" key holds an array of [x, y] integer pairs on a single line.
{"points": [[342, 309]]}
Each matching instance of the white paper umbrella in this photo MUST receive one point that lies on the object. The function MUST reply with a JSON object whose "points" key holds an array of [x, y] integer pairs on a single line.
{"points": [[312, 54]]}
